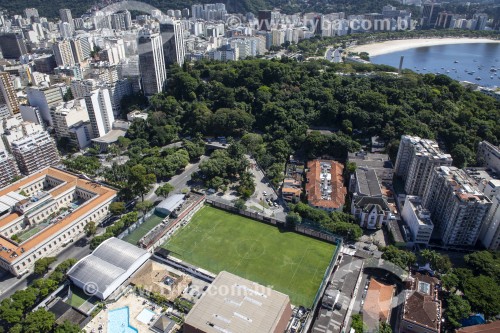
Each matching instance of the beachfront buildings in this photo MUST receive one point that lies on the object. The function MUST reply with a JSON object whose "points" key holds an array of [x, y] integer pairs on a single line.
{"points": [[42, 213], [458, 208], [325, 185], [416, 160]]}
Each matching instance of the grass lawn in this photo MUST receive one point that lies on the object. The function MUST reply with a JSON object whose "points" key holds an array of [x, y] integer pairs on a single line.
{"points": [[29, 233], [287, 262], [78, 297], [144, 228]]}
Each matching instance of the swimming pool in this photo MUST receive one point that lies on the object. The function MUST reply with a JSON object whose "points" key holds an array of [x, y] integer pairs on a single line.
{"points": [[118, 321]]}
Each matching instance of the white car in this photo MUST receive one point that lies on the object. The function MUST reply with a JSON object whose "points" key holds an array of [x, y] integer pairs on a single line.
{"points": [[265, 193]]}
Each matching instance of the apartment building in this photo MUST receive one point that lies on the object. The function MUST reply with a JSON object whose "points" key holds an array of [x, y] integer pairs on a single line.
{"points": [[42, 213], [67, 114], [489, 155], [63, 53], [489, 184], [151, 62], [458, 208], [418, 219], [416, 160], [46, 97], [8, 168], [100, 111], [8, 94], [325, 185], [35, 152]]}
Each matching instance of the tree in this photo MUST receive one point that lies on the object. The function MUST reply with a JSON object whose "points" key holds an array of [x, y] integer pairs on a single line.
{"points": [[42, 265], [457, 308], [292, 219], [68, 95], [194, 148], [351, 167], [144, 206], [450, 281], [164, 190], [402, 258], [462, 156], [140, 181], [485, 263], [483, 293], [117, 208], [240, 204], [438, 262], [90, 229], [67, 327], [39, 321], [384, 328], [357, 323]]}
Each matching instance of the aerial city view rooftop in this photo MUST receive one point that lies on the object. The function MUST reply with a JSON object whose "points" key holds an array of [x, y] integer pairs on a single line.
{"points": [[263, 166]]}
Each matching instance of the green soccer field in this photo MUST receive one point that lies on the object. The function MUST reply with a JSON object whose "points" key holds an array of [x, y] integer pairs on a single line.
{"points": [[287, 262]]}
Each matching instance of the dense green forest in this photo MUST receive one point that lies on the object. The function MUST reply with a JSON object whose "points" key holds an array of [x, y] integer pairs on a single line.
{"points": [[281, 101]]}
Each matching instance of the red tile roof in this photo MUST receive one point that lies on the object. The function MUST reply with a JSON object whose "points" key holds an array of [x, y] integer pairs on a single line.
{"points": [[493, 327], [378, 300], [313, 185], [102, 194]]}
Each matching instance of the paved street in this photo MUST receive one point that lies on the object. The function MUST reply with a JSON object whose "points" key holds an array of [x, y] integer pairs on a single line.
{"points": [[178, 181]]}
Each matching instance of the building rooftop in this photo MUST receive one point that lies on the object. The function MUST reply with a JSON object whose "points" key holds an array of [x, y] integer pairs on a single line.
{"points": [[493, 327], [422, 305], [427, 147], [325, 184], [378, 300], [463, 185], [368, 182], [423, 215], [9, 250], [237, 305], [110, 137]]}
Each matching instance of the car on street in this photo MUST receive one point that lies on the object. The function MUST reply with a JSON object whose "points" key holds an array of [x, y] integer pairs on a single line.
{"points": [[351, 246]]}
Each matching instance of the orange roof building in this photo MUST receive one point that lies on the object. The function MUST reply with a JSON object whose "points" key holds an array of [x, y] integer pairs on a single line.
{"points": [[422, 307], [378, 301], [325, 185], [42, 213]]}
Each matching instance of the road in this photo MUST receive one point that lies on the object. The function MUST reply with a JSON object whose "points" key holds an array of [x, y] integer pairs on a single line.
{"points": [[178, 181]]}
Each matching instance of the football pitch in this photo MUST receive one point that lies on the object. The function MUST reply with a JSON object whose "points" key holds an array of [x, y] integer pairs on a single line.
{"points": [[285, 261]]}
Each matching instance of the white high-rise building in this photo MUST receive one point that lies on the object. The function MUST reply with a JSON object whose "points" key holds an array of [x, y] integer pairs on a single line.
{"points": [[100, 111], [67, 114], [418, 219], [489, 155], [416, 160], [151, 62], [458, 208], [44, 98], [65, 30], [490, 232]]}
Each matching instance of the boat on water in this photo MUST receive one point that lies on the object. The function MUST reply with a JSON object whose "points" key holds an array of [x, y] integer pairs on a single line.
{"points": [[456, 62], [447, 71], [478, 78]]}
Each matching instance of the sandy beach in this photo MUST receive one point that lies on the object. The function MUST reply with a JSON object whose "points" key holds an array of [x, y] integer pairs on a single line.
{"points": [[376, 49]]}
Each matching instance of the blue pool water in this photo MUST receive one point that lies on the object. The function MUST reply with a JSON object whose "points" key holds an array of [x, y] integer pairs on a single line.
{"points": [[118, 321]]}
